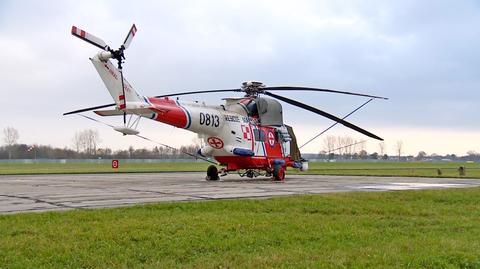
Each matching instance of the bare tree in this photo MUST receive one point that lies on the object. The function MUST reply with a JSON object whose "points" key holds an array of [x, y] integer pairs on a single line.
{"points": [[77, 141], [341, 143], [381, 148], [92, 141], [349, 147], [472, 153], [329, 143], [399, 149], [86, 141], [359, 146], [10, 139]]}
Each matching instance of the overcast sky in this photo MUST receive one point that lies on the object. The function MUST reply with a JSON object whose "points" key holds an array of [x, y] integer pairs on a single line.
{"points": [[423, 55]]}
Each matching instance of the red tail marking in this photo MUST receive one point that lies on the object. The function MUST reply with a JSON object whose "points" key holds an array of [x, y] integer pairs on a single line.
{"points": [[82, 33]]}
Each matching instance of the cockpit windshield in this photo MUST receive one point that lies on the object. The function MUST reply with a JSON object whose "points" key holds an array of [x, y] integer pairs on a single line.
{"points": [[252, 108]]}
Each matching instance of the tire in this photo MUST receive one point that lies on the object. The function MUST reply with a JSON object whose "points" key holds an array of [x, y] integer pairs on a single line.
{"points": [[278, 173], [212, 173]]}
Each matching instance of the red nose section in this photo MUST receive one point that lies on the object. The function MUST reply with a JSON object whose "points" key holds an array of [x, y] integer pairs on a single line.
{"points": [[171, 112]]}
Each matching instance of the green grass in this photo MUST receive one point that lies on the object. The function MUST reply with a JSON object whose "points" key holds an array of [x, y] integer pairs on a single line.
{"points": [[416, 169], [82, 168], [404, 229], [421, 169]]}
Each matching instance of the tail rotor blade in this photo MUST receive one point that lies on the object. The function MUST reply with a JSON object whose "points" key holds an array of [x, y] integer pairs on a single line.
{"points": [[323, 113], [130, 36], [98, 42]]}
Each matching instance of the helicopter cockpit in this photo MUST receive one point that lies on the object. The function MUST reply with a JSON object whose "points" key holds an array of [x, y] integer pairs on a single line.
{"points": [[268, 111]]}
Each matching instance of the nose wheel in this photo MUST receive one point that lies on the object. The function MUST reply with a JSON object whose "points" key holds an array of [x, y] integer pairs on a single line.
{"points": [[212, 173]]}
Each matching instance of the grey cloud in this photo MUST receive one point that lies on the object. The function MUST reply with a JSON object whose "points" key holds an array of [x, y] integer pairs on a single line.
{"points": [[423, 55]]}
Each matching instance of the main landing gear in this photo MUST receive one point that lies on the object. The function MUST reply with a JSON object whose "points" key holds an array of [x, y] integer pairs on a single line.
{"points": [[278, 173]]}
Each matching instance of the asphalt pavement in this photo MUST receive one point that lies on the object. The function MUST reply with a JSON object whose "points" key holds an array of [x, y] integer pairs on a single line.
{"points": [[27, 193]]}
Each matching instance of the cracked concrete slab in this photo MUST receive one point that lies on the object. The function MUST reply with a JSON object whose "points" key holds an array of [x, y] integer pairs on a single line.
{"points": [[60, 192]]}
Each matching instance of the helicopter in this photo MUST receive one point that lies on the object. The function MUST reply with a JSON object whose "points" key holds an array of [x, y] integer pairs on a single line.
{"points": [[245, 134]]}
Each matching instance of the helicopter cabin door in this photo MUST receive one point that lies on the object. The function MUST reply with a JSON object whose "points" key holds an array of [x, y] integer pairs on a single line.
{"points": [[271, 144]]}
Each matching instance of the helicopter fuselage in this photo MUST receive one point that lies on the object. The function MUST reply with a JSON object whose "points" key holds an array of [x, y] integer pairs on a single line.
{"points": [[234, 138]]}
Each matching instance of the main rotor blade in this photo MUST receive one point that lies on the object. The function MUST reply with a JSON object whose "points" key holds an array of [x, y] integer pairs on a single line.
{"points": [[130, 36], [98, 42], [87, 109], [335, 123], [90, 118], [323, 113], [293, 88], [208, 91]]}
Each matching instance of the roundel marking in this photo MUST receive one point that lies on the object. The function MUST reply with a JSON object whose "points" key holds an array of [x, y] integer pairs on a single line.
{"points": [[215, 142]]}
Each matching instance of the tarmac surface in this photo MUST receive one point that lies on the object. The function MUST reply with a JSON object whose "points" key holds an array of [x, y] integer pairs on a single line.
{"points": [[31, 193]]}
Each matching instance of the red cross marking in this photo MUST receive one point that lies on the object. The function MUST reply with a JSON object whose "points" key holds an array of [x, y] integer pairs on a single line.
{"points": [[215, 142]]}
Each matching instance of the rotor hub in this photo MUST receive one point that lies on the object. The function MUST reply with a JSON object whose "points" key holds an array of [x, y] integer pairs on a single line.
{"points": [[252, 88]]}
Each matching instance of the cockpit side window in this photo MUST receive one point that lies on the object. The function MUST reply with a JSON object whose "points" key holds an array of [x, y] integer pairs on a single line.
{"points": [[259, 135], [252, 109]]}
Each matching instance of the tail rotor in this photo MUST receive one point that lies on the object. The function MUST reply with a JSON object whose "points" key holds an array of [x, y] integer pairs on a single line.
{"points": [[118, 54]]}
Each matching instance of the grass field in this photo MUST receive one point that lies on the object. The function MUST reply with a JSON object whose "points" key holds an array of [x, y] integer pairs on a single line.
{"points": [[353, 168], [82, 168], [403, 229]]}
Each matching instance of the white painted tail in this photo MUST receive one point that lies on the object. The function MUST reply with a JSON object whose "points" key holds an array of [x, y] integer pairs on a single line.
{"points": [[112, 79]]}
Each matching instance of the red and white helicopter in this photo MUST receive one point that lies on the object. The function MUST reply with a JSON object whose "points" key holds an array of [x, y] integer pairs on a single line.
{"points": [[244, 134]]}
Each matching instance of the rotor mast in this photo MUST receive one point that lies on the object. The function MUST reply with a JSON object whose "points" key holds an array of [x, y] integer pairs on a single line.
{"points": [[252, 88]]}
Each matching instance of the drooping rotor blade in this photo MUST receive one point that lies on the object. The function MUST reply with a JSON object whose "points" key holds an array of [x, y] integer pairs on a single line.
{"points": [[335, 123], [130, 36], [90, 118], [87, 109], [98, 42], [323, 113], [292, 88], [196, 92]]}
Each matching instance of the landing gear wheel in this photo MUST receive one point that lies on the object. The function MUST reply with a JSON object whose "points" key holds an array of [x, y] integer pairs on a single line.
{"points": [[212, 173], [278, 173]]}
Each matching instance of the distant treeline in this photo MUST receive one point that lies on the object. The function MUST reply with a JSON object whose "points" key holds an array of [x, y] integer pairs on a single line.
{"points": [[23, 151], [407, 158]]}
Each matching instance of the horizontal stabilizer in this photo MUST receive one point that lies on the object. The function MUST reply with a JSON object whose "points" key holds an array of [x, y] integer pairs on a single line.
{"points": [[115, 112], [112, 112]]}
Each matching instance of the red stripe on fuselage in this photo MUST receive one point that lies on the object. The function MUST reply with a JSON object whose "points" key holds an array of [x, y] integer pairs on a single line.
{"points": [[169, 112]]}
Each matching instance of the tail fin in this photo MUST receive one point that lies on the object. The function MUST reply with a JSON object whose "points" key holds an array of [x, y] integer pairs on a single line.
{"points": [[111, 78]]}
